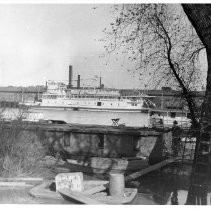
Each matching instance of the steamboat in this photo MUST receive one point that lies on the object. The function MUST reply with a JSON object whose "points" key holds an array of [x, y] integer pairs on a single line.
{"points": [[58, 96]]}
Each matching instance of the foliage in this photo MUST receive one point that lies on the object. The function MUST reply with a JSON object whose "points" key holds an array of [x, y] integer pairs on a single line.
{"points": [[21, 152]]}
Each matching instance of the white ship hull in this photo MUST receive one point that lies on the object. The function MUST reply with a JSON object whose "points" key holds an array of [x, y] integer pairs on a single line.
{"points": [[78, 108], [121, 105], [91, 105], [110, 109]]}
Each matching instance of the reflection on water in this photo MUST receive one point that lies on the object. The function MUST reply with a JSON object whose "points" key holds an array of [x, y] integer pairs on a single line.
{"points": [[174, 197], [166, 190], [198, 195], [153, 190], [156, 190]]}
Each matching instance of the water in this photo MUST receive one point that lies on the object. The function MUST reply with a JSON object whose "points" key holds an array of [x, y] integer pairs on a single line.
{"points": [[155, 190], [163, 189], [136, 119], [166, 190], [97, 117]]}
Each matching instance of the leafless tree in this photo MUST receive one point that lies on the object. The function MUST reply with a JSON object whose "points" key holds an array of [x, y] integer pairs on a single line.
{"points": [[200, 17], [161, 44]]}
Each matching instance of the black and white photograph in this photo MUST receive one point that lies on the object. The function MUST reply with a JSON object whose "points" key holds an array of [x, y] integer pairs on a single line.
{"points": [[105, 103]]}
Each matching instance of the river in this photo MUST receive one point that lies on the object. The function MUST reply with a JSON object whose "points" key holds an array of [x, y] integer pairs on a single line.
{"points": [[98, 117], [136, 119]]}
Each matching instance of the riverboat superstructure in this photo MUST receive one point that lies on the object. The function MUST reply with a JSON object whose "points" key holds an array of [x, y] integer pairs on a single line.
{"points": [[102, 99], [95, 99], [55, 96]]}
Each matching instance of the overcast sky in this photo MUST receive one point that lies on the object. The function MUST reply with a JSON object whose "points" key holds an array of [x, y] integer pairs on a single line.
{"points": [[39, 42]]}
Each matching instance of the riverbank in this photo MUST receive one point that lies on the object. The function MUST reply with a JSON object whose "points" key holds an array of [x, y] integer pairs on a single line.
{"points": [[166, 186], [153, 189]]}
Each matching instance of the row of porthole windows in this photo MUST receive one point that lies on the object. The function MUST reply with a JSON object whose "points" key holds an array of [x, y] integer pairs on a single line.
{"points": [[96, 103], [56, 102], [89, 103]]}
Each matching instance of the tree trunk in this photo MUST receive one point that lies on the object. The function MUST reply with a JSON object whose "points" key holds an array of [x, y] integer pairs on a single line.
{"points": [[200, 17]]}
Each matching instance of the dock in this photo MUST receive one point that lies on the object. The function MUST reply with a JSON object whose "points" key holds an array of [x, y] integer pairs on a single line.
{"points": [[91, 129]]}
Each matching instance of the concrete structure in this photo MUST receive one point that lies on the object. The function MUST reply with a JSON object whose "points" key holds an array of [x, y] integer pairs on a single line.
{"points": [[92, 141]]}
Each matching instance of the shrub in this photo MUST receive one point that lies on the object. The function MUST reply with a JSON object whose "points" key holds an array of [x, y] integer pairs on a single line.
{"points": [[21, 152]]}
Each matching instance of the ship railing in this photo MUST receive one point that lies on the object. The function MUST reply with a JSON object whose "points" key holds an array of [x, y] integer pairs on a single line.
{"points": [[162, 122]]}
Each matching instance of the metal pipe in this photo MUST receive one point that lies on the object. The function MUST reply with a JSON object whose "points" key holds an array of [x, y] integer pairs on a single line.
{"points": [[78, 82], [70, 76]]}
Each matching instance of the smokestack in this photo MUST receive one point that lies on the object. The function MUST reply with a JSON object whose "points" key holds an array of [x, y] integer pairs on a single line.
{"points": [[70, 76], [100, 83], [78, 82]]}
